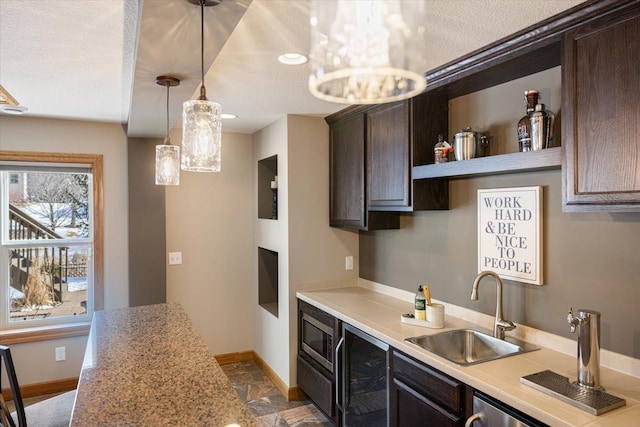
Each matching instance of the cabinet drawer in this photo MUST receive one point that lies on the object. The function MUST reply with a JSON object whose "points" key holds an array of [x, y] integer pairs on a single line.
{"points": [[412, 409], [318, 387], [433, 384]]}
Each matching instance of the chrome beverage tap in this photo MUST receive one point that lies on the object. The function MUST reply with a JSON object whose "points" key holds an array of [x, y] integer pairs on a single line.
{"points": [[587, 323]]}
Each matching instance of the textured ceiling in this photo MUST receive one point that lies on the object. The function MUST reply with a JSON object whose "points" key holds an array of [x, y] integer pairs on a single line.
{"points": [[69, 59], [97, 60]]}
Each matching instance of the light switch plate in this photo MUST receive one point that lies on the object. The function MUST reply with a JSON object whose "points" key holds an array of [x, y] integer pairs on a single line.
{"points": [[175, 258], [61, 354], [348, 263]]}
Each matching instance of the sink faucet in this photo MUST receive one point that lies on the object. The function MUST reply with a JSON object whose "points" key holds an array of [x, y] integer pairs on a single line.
{"points": [[499, 325], [587, 322]]}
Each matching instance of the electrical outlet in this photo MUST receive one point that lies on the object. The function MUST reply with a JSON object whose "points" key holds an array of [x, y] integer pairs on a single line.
{"points": [[348, 263], [175, 258], [61, 354]]}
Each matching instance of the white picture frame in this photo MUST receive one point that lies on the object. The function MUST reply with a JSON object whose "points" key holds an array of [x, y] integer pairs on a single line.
{"points": [[510, 233]]}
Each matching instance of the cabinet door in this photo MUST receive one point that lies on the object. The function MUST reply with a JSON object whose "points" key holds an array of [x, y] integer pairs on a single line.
{"points": [[347, 175], [601, 113], [319, 388], [388, 156], [422, 396], [410, 408]]}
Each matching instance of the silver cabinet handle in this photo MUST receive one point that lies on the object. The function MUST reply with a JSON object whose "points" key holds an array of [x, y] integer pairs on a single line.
{"points": [[337, 364], [472, 419]]}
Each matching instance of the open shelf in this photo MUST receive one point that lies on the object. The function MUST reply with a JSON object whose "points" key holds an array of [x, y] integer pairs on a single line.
{"points": [[268, 188], [550, 158], [268, 280]]}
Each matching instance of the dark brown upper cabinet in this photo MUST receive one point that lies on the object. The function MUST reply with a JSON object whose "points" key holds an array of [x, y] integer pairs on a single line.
{"points": [[372, 152], [399, 136], [601, 108], [347, 176], [388, 160]]}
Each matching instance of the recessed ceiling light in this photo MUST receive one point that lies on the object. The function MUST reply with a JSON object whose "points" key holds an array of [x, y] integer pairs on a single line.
{"points": [[293, 59], [229, 116], [13, 109]]}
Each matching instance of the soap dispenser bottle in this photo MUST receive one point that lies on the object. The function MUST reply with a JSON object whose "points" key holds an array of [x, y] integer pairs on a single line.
{"points": [[420, 312]]}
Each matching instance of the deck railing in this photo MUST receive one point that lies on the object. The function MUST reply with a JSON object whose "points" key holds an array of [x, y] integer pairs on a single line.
{"points": [[56, 265]]}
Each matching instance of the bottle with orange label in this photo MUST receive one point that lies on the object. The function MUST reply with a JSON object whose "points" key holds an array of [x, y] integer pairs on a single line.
{"points": [[441, 150]]}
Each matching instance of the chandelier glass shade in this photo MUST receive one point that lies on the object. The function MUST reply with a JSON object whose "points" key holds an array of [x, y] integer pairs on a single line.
{"points": [[201, 136], [367, 51], [167, 165], [201, 120], [167, 155]]}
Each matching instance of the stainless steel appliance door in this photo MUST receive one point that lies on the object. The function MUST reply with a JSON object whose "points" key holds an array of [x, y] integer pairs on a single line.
{"points": [[364, 379], [488, 412], [317, 341]]}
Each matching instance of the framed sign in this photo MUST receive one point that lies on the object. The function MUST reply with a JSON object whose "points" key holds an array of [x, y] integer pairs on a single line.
{"points": [[510, 233]]}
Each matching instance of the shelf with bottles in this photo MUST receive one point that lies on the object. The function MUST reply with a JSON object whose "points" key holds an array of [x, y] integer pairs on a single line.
{"points": [[550, 158], [527, 57], [495, 112]]}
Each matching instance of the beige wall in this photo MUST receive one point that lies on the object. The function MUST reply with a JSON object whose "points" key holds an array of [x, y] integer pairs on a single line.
{"points": [[317, 251], [271, 333], [209, 219], [308, 249], [36, 361]]}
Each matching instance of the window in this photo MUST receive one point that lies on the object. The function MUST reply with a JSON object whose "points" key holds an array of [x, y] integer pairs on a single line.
{"points": [[50, 243]]}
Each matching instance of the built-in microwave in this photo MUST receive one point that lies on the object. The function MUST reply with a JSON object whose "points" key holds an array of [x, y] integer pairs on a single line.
{"points": [[316, 340]]}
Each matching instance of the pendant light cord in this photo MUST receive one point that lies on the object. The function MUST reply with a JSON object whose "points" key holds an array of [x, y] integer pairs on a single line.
{"points": [[203, 91], [167, 139]]}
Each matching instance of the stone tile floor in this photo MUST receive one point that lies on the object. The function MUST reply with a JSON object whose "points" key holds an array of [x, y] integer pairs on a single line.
{"points": [[267, 404]]}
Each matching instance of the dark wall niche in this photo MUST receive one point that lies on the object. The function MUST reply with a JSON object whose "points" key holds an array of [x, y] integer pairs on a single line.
{"points": [[268, 188], [268, 280]]}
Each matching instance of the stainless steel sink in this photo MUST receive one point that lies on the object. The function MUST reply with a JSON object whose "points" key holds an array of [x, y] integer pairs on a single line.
{"points": [[468, 346]]}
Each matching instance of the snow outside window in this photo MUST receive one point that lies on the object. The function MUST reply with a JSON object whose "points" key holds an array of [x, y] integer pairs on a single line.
{"points": [[46, 263]]}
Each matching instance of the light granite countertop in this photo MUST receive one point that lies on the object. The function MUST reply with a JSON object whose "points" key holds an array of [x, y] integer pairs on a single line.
{"points": [[378, 314], [147, 366]]}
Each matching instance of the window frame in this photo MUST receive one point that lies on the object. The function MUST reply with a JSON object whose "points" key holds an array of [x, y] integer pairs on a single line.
{"points": [[63, 330]]}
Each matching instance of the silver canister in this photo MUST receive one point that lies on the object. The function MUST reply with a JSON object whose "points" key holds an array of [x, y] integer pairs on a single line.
{"points": [[469, 144], [541, 128]]}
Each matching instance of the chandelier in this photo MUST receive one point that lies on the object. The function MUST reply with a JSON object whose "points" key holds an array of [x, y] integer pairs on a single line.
{"points": [[367, 51]]}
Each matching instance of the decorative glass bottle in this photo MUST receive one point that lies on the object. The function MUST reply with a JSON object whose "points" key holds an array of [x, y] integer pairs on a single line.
{"points": [[524, 124], [541, 128], [441, 150]]}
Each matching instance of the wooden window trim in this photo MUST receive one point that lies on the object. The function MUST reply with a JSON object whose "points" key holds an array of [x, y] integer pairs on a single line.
{"points": [[67, 330], [18, 336]]}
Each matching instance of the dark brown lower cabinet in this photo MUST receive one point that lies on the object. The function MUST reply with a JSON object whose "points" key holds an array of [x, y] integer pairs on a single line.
{"points": [[317, 386], [422, 396]]}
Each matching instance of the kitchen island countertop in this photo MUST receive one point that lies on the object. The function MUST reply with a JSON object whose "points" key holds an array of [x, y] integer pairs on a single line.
{"points": [[148, 366], [378, 314]]}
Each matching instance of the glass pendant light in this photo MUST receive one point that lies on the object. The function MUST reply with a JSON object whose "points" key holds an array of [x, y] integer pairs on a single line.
{"points": [[201, 121], [167, 155], [367, 51]]}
